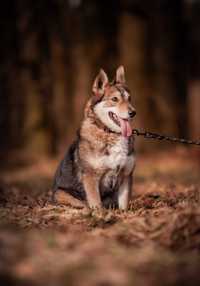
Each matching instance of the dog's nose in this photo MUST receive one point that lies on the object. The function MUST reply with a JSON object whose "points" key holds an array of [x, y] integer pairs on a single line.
{"points": [[132, 113]]}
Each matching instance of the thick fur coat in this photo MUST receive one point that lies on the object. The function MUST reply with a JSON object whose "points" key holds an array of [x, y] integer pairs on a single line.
{"points": [[98, 167]]}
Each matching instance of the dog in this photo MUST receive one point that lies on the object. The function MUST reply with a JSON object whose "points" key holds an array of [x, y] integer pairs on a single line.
{"points": [[97, 170]]}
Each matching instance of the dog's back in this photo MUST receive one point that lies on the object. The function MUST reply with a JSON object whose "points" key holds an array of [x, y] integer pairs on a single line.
{"points": [[67, 174]]}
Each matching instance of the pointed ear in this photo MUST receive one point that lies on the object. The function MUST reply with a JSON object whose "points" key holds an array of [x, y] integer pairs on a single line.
{"points": [[100, 82], [120, 75]]}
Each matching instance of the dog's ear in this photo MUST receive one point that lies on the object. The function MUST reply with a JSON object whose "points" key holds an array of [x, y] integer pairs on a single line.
{"points": [[120, 75], [100, 82]]}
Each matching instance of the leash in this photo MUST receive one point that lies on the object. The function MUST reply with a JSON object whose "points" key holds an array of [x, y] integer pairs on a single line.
{"points": [[155, 136]]}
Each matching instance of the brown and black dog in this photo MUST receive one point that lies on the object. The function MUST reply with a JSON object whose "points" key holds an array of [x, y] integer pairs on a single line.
{"points": [[98, 166]]}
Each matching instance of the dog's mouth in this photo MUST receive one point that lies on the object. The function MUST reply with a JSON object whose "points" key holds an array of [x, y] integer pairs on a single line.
{"points": [[114, 118], [124, 124]]}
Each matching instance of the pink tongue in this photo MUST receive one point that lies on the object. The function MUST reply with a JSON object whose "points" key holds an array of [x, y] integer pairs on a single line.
{"points": [[125, 127]]}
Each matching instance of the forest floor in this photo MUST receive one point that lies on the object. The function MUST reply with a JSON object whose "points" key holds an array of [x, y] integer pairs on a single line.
{"points": [[156, 242]]}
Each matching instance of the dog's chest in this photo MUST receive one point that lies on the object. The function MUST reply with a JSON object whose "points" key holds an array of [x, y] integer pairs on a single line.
{"points": [[116, 157]]}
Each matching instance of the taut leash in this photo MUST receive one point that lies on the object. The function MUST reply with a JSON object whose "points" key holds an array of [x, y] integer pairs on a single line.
{"points": [[151, 135]]}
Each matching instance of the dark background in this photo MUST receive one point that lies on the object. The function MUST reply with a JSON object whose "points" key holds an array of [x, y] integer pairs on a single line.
{"points": [[50, 53]]}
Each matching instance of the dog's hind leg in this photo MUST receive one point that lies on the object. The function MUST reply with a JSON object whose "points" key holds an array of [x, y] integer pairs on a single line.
{"points": [[64, 198]]}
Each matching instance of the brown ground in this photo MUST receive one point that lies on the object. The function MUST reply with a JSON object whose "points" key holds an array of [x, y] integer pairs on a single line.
{"points": [[157, 242]]}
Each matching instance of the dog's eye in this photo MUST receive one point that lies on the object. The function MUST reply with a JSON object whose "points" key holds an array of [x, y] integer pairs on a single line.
{"points": [[115, 99]]}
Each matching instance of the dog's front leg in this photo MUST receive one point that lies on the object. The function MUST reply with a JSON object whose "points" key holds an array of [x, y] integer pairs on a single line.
{"points": [[124, 192], [91, 186]]}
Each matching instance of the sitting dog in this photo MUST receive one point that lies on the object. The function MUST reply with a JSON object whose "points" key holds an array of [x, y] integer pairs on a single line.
{"points": [[98, 167]]}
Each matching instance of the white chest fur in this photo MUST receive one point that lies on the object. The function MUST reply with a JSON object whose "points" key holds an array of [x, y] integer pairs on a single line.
{"points": [[118, 157]]}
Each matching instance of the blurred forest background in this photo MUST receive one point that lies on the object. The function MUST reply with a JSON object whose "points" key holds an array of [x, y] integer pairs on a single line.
{"points": [[51, 51]]}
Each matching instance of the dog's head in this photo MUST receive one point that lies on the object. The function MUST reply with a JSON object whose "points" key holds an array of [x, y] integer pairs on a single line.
{"points": [[112, 102]]}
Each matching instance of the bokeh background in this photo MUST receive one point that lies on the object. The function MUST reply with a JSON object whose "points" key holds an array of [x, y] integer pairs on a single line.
{"points": [[51, 51]]}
